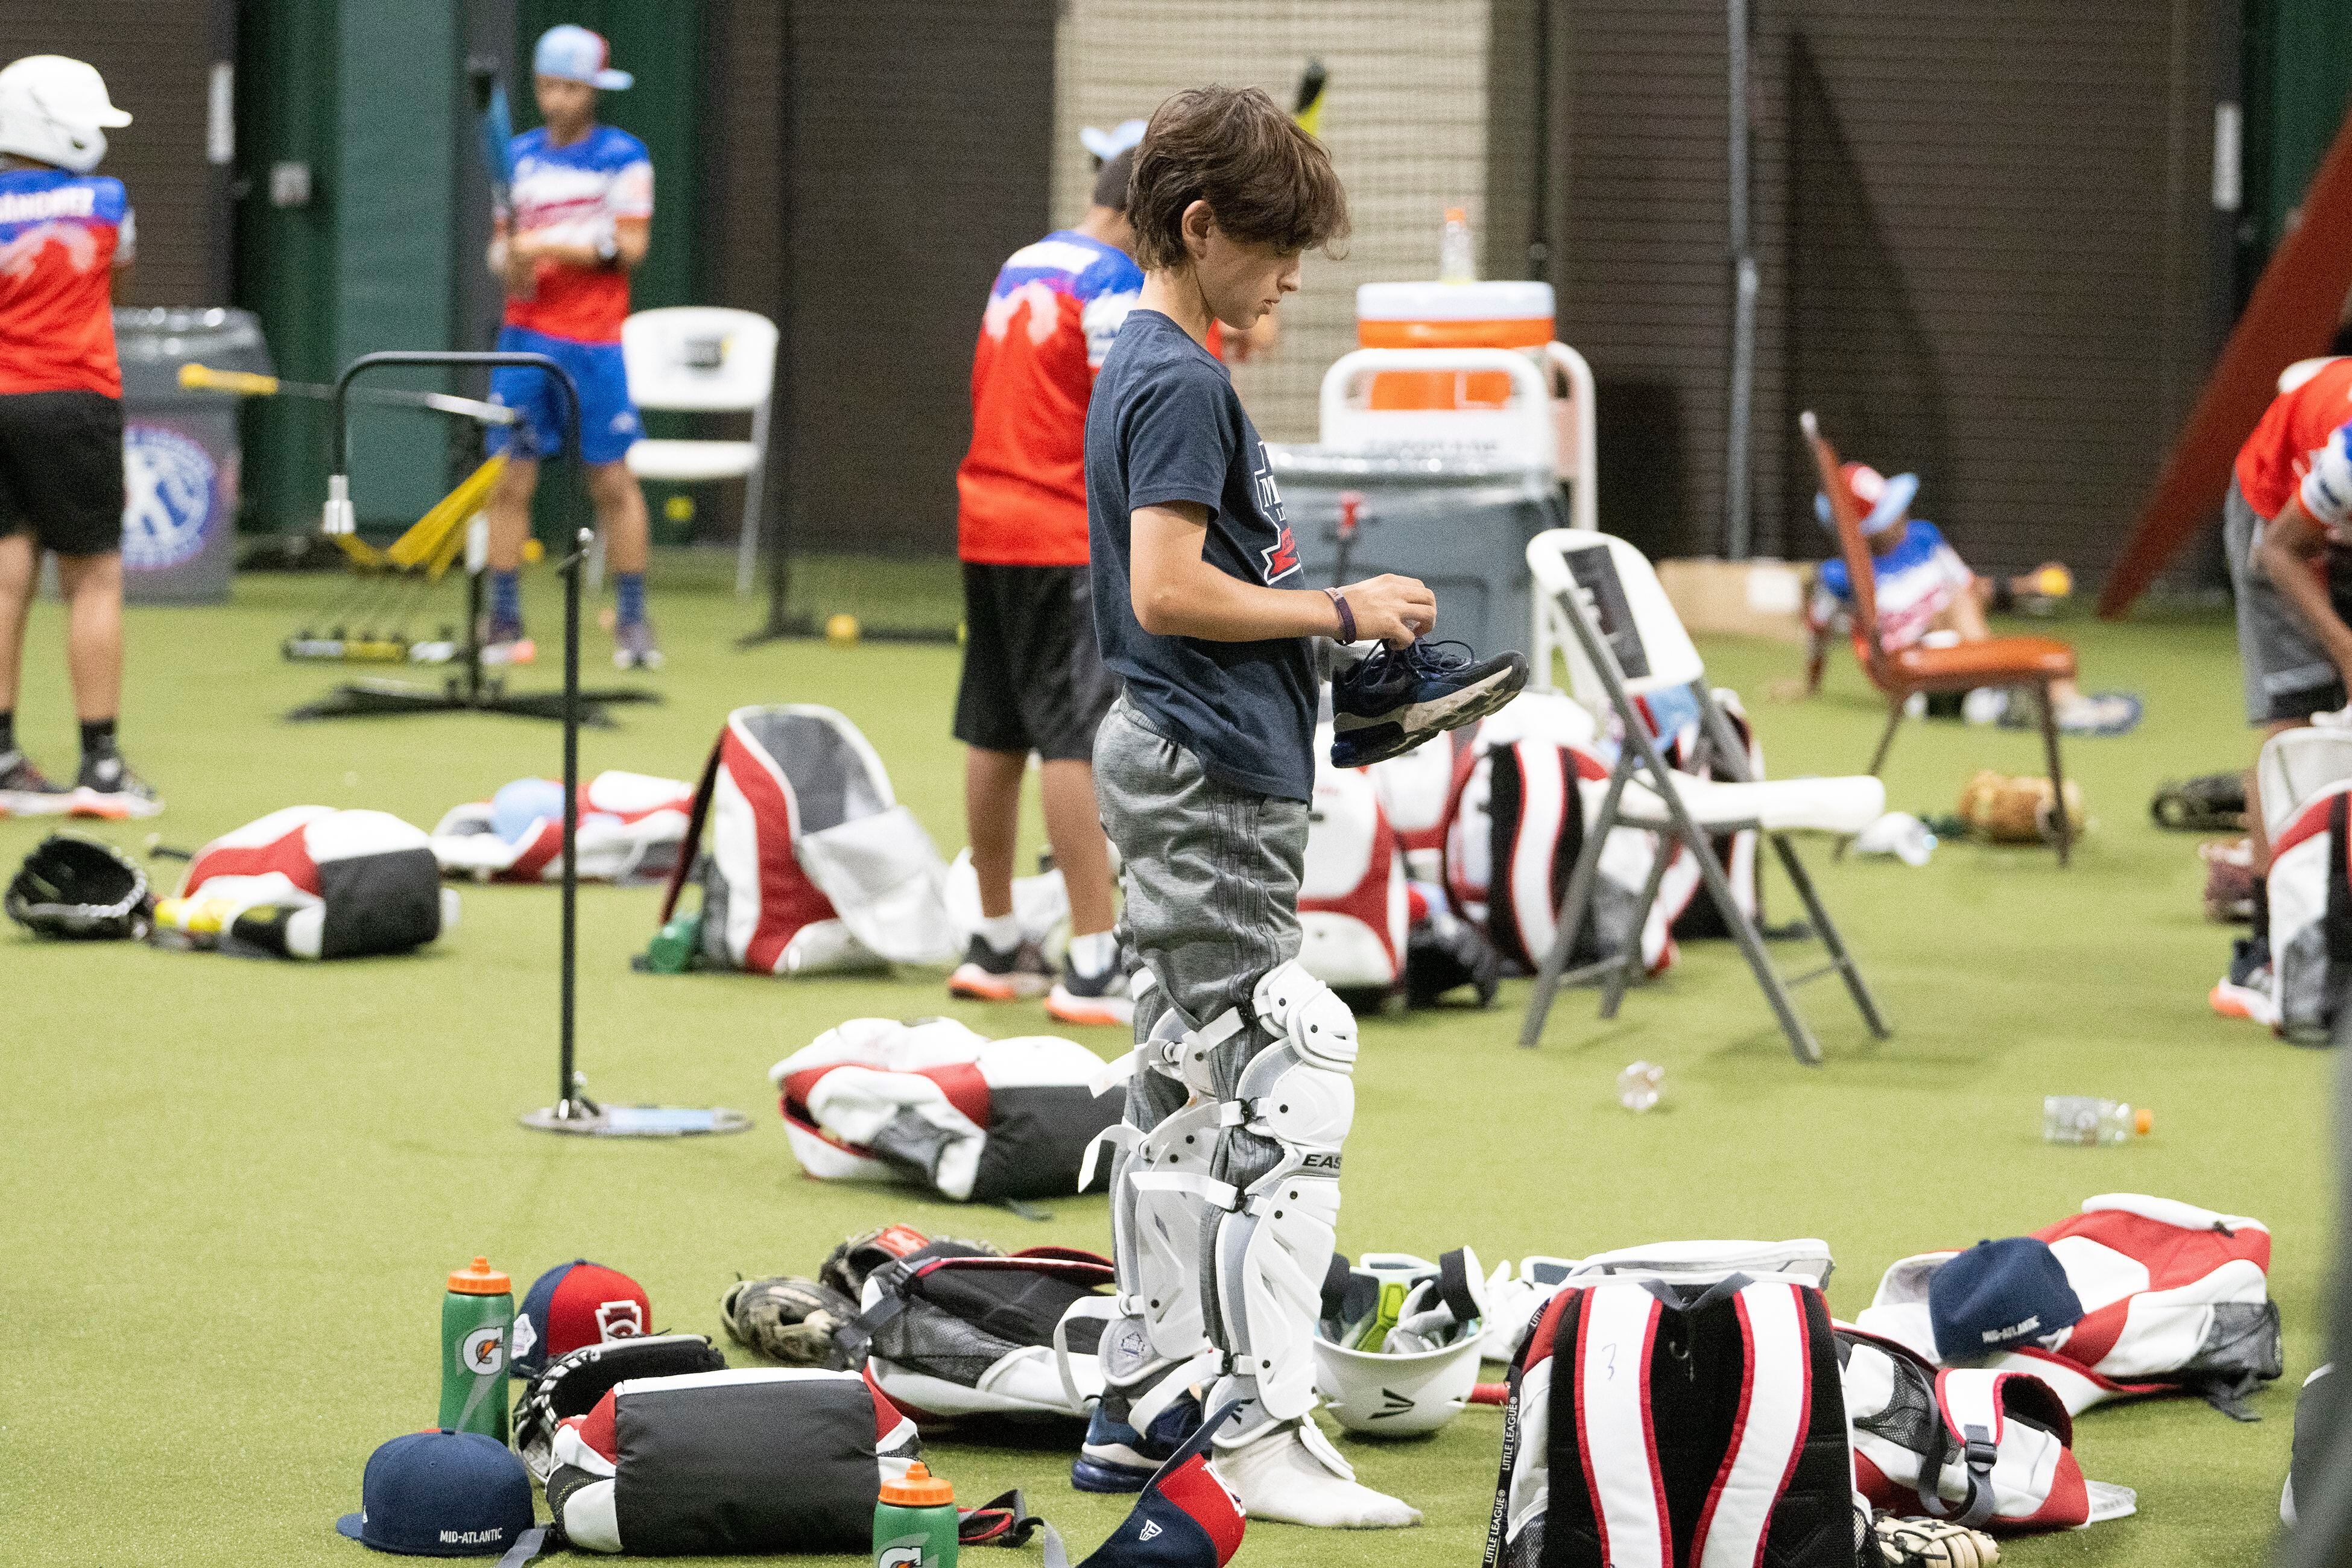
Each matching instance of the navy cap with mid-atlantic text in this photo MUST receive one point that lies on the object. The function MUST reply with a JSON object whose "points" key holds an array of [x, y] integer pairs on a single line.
{"points": [[441, 1494]]}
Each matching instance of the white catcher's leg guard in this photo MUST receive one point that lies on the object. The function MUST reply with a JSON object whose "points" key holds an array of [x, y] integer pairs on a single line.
{"points": [[1287, 1116], [1162, 1216]]}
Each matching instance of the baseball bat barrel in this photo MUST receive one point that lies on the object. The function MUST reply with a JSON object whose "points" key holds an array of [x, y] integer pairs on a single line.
{"points": [[1490, 1394], [251, 384]]}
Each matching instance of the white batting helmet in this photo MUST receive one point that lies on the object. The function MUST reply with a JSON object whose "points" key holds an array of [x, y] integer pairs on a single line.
{"points": [[1396, 1353], [56, 110]]}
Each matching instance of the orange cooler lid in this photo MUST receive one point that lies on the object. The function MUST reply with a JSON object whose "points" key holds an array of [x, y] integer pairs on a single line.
{"points": [[920, 1488], [481, 1279]]}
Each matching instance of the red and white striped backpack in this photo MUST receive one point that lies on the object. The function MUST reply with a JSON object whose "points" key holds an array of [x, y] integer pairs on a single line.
{"points": [[1526, 785], [2175, 1298], [813, 865], [1680, 1413], [2310, 887]]}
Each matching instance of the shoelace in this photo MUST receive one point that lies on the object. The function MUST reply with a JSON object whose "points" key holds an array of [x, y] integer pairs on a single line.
{"points": [[1416, 660]]}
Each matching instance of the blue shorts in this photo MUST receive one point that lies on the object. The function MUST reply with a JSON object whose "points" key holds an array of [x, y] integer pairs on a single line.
{"points": [[608, 420]]}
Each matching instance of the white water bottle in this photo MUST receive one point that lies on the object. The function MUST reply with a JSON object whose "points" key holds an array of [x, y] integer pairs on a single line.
{"points": [[2083, 1120], [1455, 262], [1639, 1086]]}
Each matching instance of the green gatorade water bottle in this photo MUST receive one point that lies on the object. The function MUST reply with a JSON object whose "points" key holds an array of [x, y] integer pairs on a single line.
{"points": [[476, 1316], [915, 1523]]}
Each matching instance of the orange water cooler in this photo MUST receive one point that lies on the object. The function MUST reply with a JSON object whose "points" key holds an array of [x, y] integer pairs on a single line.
{"points": [[1497, 314]]}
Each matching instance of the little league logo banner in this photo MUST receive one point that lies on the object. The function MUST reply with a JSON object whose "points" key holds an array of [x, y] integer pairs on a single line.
{"points": [[171, 498]]}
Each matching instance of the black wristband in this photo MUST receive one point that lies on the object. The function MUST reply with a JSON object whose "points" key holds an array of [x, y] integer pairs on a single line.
{"points": [[1347, 615]]}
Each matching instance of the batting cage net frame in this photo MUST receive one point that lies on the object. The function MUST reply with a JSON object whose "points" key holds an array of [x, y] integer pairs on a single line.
{"points": [[1427, 105]]}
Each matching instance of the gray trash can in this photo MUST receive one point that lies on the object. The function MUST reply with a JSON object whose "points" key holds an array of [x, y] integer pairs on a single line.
{"points": [[1461, 526], [181, 452]]}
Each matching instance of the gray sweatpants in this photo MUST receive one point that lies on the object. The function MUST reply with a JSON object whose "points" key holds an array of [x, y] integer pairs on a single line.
{"points": [[2288, 672], [1212, 875]]}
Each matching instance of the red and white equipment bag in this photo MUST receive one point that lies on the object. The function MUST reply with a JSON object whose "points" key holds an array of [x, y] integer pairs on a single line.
{"points": [[2311, 915], [631, 824], [1413, 791], [1996, 1447], [813, 864], [1352, 907], [934, 1104], [2175, 1298], [343, 884]]}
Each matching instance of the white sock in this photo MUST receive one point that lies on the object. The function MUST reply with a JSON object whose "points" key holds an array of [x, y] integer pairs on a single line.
{"points": [[1093, 953], [1002, 932], [1291, 1473]]}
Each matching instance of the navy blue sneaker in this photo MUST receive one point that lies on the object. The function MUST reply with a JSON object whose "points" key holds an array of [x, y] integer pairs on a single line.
{"points": [[1392, 699], [1118, 1459]]}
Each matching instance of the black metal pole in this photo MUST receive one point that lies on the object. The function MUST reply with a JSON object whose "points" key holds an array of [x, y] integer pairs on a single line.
{"points": [[781, 479], [580, 542]]}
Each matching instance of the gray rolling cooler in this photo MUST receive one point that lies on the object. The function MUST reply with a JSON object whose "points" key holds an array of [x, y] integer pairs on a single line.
{"points": [[1450, 496], [1461, 525]]}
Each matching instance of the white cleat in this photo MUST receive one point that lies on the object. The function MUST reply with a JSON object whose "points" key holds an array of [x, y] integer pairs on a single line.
{"points": [[1292, 1474]]}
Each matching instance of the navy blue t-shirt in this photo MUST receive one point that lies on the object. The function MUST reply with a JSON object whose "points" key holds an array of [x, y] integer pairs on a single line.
{"points": [[1164, 425]]}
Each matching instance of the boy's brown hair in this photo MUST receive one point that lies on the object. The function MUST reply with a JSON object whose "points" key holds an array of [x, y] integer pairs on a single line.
{"points": [[1266, 180]]}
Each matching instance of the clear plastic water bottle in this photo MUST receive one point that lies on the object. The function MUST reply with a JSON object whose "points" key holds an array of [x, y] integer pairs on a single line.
{"points": [[2083, 1120], [1639, 1086], [1457, 261]]}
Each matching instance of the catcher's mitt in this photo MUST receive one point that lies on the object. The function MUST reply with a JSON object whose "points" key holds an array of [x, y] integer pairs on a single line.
{"points": [[74, 887], [1928, 1543], [2215, 802], [572, 1384], [788, 1319]]}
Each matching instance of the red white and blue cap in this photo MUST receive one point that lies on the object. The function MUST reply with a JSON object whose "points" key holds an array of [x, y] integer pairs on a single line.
{"points": [[576, 54], [1879, 499], [1185, 1518], [575, 1304], [444, 1494]]}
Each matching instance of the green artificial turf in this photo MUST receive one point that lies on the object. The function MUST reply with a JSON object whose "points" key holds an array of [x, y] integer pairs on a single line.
{"points": [[232, 1188]]}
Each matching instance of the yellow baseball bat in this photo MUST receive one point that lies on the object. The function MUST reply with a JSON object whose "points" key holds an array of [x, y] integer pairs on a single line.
{"points": [[252, 384]]}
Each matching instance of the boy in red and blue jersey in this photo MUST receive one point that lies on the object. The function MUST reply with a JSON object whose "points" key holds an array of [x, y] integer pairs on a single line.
{"points": [[65, 239], [582, 214], [1033, 681]]}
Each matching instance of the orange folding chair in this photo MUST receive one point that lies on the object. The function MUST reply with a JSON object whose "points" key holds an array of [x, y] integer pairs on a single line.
{"points": [[2034, 662]]}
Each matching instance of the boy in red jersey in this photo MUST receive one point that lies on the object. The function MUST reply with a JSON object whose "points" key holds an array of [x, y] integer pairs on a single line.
{"points": [[64, 238], [1032, 679], [2284, 531]]}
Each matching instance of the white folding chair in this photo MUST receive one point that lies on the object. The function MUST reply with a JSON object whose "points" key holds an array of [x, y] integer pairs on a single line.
{"points": [[1623, 641], [704, 359]]}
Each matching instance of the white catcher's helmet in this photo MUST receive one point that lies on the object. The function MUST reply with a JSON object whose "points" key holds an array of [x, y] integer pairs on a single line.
{"points": [[56, 110], [1425, 1322]]}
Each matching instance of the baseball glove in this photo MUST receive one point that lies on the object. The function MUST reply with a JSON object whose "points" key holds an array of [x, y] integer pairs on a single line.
{"points": [[846, 1269], [2003, 810], [74, 887], [847, 1265], [788, 1319], [1928, 1543]]}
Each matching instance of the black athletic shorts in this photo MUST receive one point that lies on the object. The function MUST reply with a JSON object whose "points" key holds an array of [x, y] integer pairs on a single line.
{"points": [[61, 470], [1032, 679]]}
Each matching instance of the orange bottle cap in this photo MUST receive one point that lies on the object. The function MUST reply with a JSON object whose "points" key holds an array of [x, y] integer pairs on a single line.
{"points": [[481, 1279], [920, 1489], [2143, 1121]]}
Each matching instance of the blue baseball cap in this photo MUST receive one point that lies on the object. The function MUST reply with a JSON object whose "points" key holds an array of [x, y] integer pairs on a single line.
{"points": [[441, 1494], [576, 54], [1997, 1295]]}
